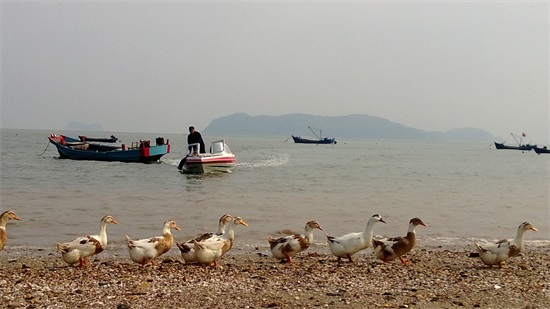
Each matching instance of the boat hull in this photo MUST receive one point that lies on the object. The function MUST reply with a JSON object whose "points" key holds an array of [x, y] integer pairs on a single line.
{"points": [[69, 148], [300, 140], [521, 147], [210, 164]]}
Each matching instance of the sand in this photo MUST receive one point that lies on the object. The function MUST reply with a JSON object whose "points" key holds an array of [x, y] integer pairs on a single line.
{"points": [[437, 278]]}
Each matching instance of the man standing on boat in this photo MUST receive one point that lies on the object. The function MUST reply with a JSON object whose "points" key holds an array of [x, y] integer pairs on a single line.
{"points": [[195, 137]]}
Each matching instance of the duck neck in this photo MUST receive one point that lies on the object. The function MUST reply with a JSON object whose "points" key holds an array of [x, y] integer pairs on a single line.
{"points": [[519, 237], [3, 221], [309, 234], [221, 228], [166, 231], [369, 229], [230, 231], [103, 232], [167, 235], [411, 234]]}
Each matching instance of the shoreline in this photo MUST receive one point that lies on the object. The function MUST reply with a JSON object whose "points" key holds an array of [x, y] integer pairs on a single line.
{"points": [[119, 249], [437, 278]]}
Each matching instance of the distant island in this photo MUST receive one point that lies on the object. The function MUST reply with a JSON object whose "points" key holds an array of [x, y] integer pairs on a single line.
{"points": [[347, 127]]}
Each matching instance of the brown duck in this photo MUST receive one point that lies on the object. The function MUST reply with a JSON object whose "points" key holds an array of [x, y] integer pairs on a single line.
{"points": [[287, 246], [143, 251], [4, 218], [393, 248]]}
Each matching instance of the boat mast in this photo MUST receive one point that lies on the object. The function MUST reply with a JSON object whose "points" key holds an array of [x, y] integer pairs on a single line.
{"points": [[320, 132], [520, 139]]}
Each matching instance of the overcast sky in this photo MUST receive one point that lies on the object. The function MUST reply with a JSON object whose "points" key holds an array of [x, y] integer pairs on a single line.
{"points": [[161, 66]]}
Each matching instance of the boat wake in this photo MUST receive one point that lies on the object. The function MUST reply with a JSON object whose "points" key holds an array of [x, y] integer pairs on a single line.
{"points": [[172, 162], [274, 160]]}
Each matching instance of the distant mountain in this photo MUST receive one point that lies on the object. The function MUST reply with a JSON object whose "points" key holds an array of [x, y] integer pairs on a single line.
{"points": [[350, 126], [78, 126]]}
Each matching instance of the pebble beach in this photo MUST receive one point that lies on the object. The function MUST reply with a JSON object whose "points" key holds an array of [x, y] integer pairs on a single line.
{"points": [[436, 278]]}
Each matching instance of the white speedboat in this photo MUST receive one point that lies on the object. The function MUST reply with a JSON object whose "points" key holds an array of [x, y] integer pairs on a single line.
{"points": [[220, 159]]}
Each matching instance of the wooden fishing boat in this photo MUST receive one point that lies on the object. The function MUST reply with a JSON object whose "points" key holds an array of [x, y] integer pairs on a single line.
{"points": [[524, 147], [220, 159], [75, 149], [301, 140], [318, 140], [519, 146]]}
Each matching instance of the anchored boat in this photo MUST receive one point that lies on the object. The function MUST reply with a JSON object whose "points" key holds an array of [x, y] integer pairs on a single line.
{"points": [[319, 139], [76, 149], [519, 146]]}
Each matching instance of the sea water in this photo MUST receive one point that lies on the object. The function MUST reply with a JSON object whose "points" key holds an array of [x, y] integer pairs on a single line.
{"points": [[463, 192]]}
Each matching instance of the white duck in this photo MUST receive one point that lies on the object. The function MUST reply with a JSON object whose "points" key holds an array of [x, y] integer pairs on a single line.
{"points": [[504, 249], [349, 244], [4, 218], [285, 247], [187, 248], [143, 251], [208, 252], [393, 248], [83, 247]]}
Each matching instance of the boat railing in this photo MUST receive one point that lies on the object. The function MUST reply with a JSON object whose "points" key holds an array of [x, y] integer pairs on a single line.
{"points": [[191, 148], [216, 148]]}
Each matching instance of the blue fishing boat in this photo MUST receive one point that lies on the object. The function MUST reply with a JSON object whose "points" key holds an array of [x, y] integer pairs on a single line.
{"points": [[142, 151], [519, 146], [317, 140]]}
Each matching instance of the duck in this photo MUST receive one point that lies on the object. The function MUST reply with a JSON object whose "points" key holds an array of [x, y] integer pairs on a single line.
{"points": [[4, 218], [285, 247], [349, 244], [393, 248], [504, 249], [143, 251], [187, 248], [229, 236], [83, 247], [208, 252]]}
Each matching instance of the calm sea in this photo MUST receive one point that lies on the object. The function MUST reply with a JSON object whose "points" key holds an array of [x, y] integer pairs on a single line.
{"points": [[464, 192]]}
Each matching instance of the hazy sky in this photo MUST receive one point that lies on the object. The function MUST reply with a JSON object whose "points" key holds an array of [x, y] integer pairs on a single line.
{"points": [[161, 66]]}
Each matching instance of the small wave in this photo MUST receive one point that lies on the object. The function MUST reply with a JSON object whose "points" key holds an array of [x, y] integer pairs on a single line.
{"points": [[173, 162], [275, 160]]}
